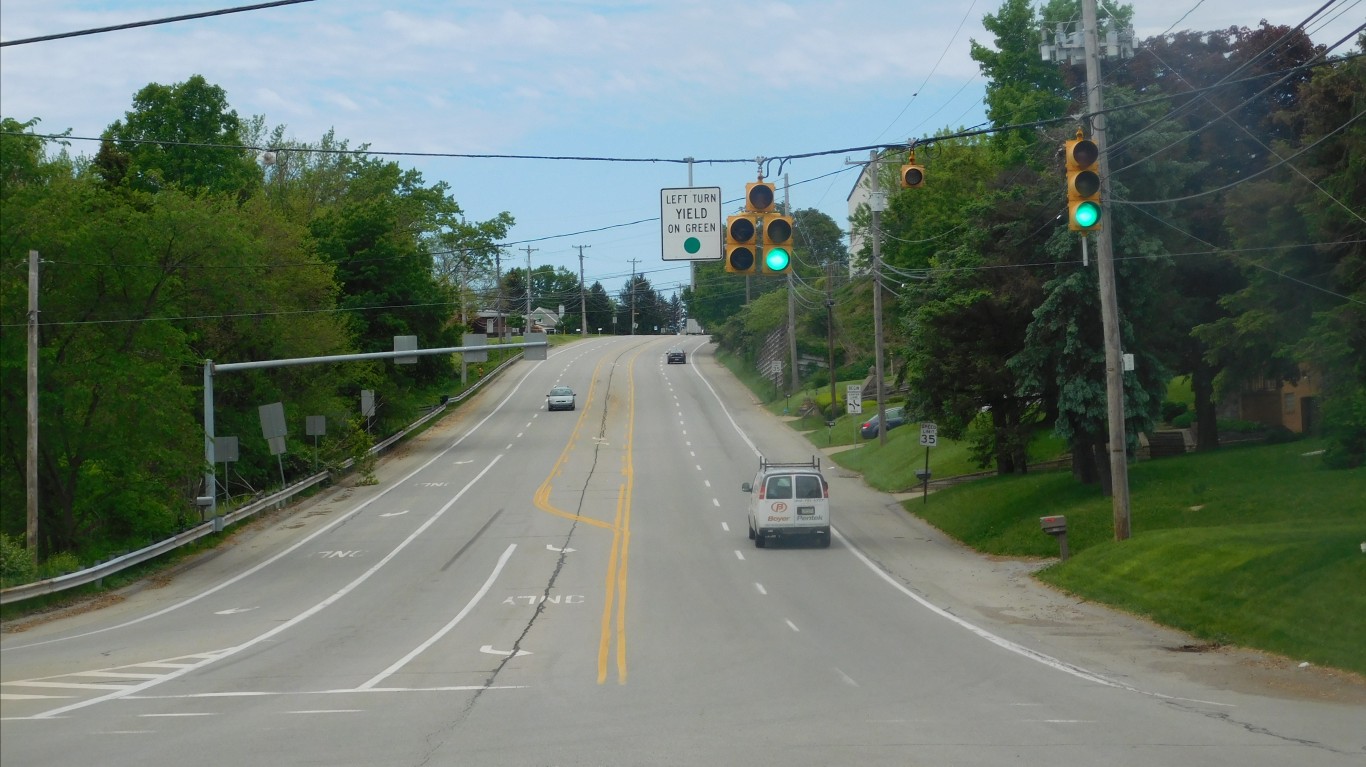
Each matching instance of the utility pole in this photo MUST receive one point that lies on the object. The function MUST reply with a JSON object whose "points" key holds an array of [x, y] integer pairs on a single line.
{"points": [[692, 265], [791, 301], [875, 204], [1109, 302], [830, 332], [583, 300], [634, 261], [31, 463], [527, 329], [498, 301]]}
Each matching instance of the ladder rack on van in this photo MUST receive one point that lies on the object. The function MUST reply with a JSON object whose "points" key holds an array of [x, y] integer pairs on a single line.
{"points": [[814, 463]]}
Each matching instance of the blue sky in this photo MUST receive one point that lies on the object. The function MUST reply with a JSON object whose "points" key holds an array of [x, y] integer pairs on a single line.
{"points": [[668, 80]]}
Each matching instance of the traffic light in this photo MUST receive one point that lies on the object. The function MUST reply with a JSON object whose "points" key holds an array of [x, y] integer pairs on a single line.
{"points": [[912, 175], [1083, 185], [759, 197], [777, 244], [741, 246]]}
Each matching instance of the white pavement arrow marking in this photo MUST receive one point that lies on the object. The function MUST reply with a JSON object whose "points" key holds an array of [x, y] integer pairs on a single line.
{"points": [[461, 463], [395, 513], [488, 648], [565, 550], [235, 610]]}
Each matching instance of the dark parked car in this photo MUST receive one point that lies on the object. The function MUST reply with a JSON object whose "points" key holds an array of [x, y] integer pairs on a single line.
{"points": [[676, 355], [896, 416]]}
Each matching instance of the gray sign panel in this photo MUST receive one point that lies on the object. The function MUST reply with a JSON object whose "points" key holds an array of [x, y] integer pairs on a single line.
{"points": [[277, 445], [315, 425], [367, 403], [273, 420], [225, 449], [405, 344], [475, 339], [534, 352]]}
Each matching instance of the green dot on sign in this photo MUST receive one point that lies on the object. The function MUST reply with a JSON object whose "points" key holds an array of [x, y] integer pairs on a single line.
{"points": [[692, 244]]}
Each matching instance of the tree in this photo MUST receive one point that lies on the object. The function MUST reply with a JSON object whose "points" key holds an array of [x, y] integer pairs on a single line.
{"points": [[182, 134], [375, 239], [1020, 87], [600, 309]]}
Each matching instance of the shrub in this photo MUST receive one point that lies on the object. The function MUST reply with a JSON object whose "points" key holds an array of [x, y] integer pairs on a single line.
{"points": [[1172, 410], [17, 565], [59, 564], [1183, 421]]}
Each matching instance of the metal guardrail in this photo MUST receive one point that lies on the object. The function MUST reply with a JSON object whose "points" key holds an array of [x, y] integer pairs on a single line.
{"points": [[89, 575]]}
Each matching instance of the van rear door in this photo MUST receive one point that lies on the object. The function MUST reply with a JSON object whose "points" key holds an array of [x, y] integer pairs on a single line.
{"points": [[812, 500]]}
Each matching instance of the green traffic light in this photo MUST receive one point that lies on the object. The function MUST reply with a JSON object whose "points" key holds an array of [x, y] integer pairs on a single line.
{"points": [[1088, 213], [777, 259]]}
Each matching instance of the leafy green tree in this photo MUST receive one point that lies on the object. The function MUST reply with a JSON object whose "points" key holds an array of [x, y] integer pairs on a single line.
{"points": [[1021, 88], [182, 134], [374, 237], [1301, 304]]}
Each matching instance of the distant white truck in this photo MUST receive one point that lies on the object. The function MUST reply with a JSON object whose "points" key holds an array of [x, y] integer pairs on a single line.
{"points": [[692, 328]]}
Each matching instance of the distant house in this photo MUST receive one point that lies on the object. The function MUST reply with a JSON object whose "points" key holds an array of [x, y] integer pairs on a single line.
{"points": [[1277, 403], [544, 319], [489, 322]]}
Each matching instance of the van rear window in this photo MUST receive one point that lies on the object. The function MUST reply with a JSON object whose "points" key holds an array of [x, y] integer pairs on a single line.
{"points": [[779, 487], [808, 486]]}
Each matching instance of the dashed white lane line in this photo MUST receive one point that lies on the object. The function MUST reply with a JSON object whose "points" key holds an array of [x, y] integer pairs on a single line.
{"points": [[176, 714], [327, 711], [509, 447], [699, 468], [725, 527], [691, 453], [740, 555], [716, 503], [519, 435], [761, 589], [792, 625], [706, 482]]}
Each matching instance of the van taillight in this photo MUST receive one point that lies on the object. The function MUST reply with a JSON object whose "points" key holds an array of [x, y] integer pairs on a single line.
{"points": [[762, 485]]}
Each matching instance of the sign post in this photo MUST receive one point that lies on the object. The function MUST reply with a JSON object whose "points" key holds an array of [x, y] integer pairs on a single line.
{"points": [[929, 437]]}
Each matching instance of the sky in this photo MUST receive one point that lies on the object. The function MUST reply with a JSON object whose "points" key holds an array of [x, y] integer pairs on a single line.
{"points": [[720, 82]]}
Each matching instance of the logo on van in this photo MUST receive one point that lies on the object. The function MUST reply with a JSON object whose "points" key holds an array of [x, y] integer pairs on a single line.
{"points": [[779, 507]]}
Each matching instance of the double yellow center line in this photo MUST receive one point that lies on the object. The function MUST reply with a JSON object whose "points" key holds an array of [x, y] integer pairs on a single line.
{"points": [[615, 602]]}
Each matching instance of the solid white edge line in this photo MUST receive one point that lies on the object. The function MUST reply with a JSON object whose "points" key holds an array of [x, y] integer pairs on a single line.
{"points": [[474, 600], [999, 641], [1002, 642]]}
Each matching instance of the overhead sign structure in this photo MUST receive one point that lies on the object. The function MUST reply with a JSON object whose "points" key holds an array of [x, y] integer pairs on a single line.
{"points": [[690, 223]]}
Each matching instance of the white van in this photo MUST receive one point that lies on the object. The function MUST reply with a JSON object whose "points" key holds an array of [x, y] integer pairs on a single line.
{"points": [[789, 499]]}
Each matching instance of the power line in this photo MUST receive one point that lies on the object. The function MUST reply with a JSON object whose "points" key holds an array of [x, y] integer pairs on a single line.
{"points": [[153, 22]]}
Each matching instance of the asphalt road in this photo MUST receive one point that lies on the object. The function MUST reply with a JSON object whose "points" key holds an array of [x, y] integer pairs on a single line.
{"points": [[577, 588]]}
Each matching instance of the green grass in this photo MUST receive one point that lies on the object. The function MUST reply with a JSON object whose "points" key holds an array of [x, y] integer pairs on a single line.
{"points": [[1257, 546]]}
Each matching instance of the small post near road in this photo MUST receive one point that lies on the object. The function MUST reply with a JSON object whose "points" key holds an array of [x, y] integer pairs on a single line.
{"points": [[853, 401], [929, 437]]}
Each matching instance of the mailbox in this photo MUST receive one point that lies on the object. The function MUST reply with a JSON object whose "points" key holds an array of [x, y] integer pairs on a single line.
{"points": [[1054, 525]]}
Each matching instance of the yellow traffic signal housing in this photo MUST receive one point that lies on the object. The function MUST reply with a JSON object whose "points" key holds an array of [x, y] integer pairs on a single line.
{"points": [[777, 250], [742, 252], [912, 176], [759, 197], [1084, 206]]}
